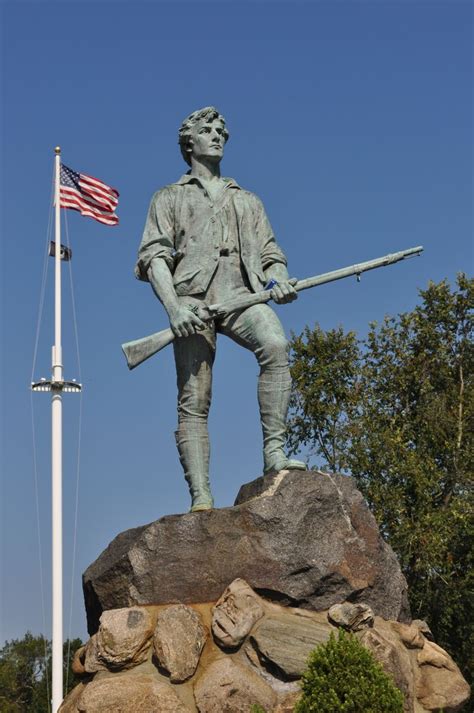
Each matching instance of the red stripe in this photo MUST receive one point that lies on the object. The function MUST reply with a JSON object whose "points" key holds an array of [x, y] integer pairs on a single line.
{"points": [[95, 189], [83, 204], [113, 220], [99, 183], [67, 190], [72, 201], [99, 196], [105, 190]]}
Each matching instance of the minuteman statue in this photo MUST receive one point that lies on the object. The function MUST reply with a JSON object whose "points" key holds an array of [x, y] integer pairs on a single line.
{"points": [[207, 239]]}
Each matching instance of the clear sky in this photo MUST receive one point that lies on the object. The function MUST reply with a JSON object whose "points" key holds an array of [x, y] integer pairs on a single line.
{"points": [[352, 120]]}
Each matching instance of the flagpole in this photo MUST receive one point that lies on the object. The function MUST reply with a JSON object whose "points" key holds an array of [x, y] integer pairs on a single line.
{"points": [[97, 199], [57, 382]]}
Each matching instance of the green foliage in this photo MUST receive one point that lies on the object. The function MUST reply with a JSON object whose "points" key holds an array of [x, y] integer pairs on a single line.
{"points": [[256, 708], [343, 677], [25, 671], [397, 411], [324, 372]]}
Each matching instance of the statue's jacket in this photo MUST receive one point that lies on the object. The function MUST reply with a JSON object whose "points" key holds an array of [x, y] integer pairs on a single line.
{"points": [[189, 230]]}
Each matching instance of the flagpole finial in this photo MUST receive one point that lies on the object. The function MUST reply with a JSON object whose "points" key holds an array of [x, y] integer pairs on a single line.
{"points": [[57, 150]]}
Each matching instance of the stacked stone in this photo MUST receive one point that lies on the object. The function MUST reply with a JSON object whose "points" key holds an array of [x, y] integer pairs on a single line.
{"points": [[241, 651]]}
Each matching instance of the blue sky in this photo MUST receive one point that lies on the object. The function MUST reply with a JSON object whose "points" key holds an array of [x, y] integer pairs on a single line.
{"points": [[351, 120]]}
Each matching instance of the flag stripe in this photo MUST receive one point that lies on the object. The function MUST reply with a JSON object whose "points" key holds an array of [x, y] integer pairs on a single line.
{"points": [[99, 184], [90, 188], [110, 220], [71, 197], [66, 190], [98, 194]]}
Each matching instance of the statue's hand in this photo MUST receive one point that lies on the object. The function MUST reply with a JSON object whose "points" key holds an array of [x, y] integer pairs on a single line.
{"points": [[284, 292], [184, 322]]}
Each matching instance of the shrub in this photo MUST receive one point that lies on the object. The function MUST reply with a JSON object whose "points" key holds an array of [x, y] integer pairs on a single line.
{"points": [[343, 677]]}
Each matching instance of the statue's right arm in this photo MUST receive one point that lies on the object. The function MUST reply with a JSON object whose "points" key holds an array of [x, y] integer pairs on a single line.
{"points": [[183, 321]]}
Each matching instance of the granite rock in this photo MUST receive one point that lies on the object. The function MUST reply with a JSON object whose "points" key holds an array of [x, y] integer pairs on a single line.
{"points": [[353, 617], [124, 637], [235, 613], [129, 693], [69, 704], [410, 634], [288, 702], [178, 641], [424, 629], [439, 682], [228, 687], [393, 657], [302, 539], [78, 661], [284, 640], [92, 663]]}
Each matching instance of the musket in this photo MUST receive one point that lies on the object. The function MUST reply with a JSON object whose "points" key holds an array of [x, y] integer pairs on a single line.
{"points": [[139, 350]]}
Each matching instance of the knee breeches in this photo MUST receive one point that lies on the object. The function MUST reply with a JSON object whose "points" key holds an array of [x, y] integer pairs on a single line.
{"points": [[256, 328]]}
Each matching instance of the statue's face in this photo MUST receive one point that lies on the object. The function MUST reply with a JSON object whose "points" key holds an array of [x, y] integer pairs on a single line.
{"points": [[208, 140]]}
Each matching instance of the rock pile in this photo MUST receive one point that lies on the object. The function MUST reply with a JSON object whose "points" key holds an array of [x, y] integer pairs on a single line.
{"points": [[213, 612], [240, 651]]}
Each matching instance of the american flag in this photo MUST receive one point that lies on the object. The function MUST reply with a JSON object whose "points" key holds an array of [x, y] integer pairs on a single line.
{"points": [[88, 195]]}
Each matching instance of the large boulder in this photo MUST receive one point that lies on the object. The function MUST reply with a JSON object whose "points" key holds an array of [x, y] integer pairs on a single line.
{"points": [[284, 641], [123, 639], [178, 641], [228, 687], [303, 539], [235, 614], [129, 694]]}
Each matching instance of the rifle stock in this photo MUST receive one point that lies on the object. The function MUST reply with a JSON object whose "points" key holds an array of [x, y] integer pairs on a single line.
{"points": [[140, 350]]}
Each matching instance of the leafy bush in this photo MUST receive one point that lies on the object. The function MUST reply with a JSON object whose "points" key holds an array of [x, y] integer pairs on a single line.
{"points": [[343, 677]]}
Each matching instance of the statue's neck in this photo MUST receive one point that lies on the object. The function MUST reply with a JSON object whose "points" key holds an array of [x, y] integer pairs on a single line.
{"points": [[206, 170]]}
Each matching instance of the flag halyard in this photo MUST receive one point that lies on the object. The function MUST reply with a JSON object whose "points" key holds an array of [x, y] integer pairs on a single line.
{"points": [[88, 195]]}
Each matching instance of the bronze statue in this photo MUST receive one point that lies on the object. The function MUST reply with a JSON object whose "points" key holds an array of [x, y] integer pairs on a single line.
{"points": [[206, 239]]}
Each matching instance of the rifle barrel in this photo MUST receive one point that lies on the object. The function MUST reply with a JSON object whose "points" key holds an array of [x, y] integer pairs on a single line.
{"points": [[357, 269]]}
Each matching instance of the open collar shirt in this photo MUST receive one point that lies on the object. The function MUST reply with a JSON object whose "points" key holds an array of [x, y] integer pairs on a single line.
{"points": [[191, 230]]}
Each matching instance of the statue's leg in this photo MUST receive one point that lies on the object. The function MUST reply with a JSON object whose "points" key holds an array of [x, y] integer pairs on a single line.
{"points": [[259, 329], [194, 357]]}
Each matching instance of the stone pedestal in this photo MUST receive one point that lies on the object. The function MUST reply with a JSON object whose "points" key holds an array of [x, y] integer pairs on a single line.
{"points": [[216, 611]]}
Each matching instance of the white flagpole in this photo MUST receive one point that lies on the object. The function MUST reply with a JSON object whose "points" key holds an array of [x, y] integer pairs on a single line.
{"points": [[57, 386], [57, 382]]}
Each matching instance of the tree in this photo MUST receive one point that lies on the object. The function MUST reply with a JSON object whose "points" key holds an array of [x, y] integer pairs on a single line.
{"points": [[25, 670], [343, 677], [325, 395], [397, 411]]}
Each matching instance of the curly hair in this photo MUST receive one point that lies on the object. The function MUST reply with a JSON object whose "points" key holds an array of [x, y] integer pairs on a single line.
{"points": [[209, 113]]}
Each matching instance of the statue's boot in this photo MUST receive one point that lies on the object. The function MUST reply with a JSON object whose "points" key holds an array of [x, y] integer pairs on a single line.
{"points": [[192, 439], [274, 388]]}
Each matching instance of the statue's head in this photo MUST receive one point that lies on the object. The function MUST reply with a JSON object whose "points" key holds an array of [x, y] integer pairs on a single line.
{"points": [[193, 123]]}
